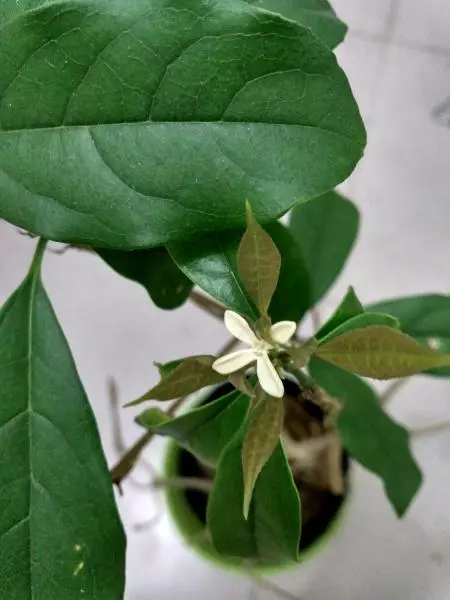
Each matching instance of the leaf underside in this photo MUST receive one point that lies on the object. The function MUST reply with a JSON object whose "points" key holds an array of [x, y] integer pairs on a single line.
{"points": [[261, 439], [155, 270], [381, 353], [258, 263], [190, 375], [426, 318]]}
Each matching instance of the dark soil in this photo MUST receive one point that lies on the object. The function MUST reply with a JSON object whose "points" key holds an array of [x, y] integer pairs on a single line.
{"points": [[319, 506]]}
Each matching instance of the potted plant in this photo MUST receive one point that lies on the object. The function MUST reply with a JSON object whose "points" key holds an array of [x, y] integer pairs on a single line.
{"points": [[170, 137]]}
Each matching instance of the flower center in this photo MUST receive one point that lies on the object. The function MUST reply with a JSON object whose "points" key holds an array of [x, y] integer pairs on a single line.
{"points": [[261, 347]]}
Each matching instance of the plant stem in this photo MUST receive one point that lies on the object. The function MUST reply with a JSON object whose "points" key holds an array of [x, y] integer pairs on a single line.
{"points": [[127, 462], [392, 390], [315, 318], [302, 377], [184, 483], [38, 255], [207, 304]]}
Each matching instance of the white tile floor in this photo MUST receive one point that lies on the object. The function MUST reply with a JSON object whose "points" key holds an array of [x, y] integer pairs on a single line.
{"points": [[398, 59]]}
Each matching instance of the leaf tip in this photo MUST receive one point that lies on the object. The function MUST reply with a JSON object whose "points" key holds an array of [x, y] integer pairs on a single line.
{"points": [[246, 504]]}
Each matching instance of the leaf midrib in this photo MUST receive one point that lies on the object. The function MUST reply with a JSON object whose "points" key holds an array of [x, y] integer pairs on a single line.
{"points": [[239, 286], [89, 126], [34, 274]]}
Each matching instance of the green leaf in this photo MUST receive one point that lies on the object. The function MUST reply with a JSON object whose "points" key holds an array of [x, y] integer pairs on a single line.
{"points": [[316, 14], [167, 368], [362, 321], [153, 268], [204, 431], [426, 319], [192, 374], [381, 353], [259, 263], [60, 534], [292, 297], [349, 307], [261, 439], [11, 8], [272, 531], [153, 121], [210, 262], [326, 231], [371, 436]]}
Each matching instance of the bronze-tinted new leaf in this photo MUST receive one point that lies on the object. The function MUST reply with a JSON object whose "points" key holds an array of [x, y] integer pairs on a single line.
{"points": [[300, 355], [263, 434], [192, 374], [259, 263], [381, 353]]}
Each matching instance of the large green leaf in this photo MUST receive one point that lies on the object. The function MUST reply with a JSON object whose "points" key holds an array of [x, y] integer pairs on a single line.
{"points": [[371, 436], [326, 231], [204, 431], [272, 531], [60, 535], [153, 268], [11, 8], [153, 121], [426, 319], [316, 14], [349, 307], [210, 262], [292, 296], [380, 352]]}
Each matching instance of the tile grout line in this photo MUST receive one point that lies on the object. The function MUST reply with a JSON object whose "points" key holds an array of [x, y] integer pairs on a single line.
{"points": [[383, 65], [400, 43]]}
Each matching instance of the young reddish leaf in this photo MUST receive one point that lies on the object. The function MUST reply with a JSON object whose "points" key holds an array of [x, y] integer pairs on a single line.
{"points": [[426, 318], [259, 263], [271, 533], [167, 368], [300, 355], [261, 439], [240, 382], [381, 353], [192, 374]]}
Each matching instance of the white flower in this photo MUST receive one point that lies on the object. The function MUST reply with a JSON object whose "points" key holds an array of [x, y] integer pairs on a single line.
{"points": [[279, 333]]}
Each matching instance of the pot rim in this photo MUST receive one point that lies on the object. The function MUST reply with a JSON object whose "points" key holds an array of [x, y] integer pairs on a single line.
{"points": [[190, 527]]}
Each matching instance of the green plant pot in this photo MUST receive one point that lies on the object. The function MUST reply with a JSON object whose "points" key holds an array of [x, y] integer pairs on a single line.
{"points": [[192, 529]]}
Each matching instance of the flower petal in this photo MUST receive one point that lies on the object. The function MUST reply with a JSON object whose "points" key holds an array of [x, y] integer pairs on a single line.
{"points": [[239, 328], [283, 331], [234, 361], [268, 377]]}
